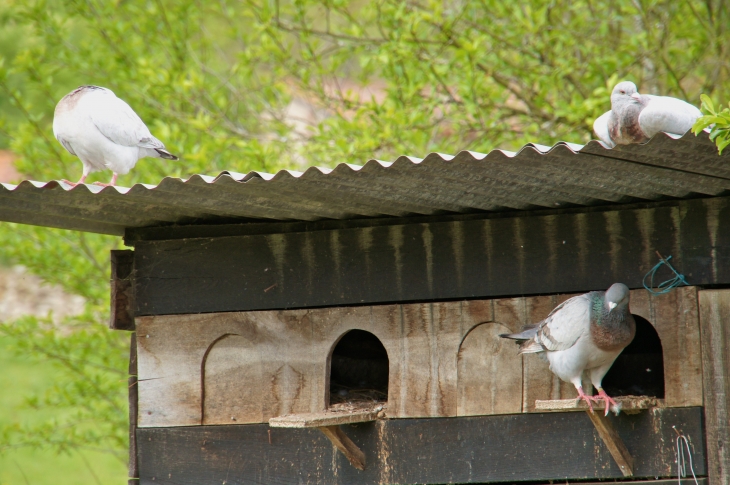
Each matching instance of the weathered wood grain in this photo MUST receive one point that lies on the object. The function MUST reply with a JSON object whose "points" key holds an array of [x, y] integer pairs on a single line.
{"points": [[613, 442], [232, 383], [249, 367], [174, 349], [675, 318], [121, 315], [490, 373], [478, 449], [445, 359], [714, 318], [538, 382], [542, 254]]}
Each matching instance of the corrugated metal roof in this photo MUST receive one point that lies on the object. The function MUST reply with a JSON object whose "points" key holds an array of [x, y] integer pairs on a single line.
{"points": [[537, 176]]}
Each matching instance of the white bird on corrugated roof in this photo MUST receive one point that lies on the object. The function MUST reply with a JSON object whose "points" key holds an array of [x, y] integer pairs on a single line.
{"points": [[104, 132], [635, 118]]}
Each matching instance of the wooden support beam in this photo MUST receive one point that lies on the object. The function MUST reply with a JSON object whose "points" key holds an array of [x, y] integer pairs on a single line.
{"points": [[345, 445], [609, 435], [328, 422], [613, 442]]}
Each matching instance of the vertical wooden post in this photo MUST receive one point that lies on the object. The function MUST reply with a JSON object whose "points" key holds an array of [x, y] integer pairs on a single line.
{"points": [[715, 335], [121, 316], [132, 383]]}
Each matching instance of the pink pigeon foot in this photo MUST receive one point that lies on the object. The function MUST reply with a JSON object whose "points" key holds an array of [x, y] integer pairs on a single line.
{"points": [[582, 395], [74, 184], [113, 182], [605, 398]]}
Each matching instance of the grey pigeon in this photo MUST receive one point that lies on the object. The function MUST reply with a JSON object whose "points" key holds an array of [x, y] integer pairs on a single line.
{"points": [[635, 118], [585, 333], [104, 132]]}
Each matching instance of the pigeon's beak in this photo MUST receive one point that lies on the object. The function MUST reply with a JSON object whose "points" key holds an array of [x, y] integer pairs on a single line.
{"points": [[636, 96], [611, 305]]}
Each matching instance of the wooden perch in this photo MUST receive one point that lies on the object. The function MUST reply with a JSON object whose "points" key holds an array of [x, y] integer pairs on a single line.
{"points": [[326, 418], [627, 404], [328, 422]]}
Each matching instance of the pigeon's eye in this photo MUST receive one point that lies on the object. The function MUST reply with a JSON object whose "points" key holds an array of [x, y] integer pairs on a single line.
{"points": [[622, 92]]}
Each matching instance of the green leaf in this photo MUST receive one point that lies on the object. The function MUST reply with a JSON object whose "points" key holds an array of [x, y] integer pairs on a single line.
{"points": [[707, 104]]}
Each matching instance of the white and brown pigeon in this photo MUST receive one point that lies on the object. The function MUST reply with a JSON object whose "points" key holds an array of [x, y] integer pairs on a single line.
{"points": [[583, 334], [104, 132], [635, 118]]}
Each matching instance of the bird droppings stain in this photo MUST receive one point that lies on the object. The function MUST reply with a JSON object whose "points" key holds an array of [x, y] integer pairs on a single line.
{"points": [[428, 248], [395, 238]]}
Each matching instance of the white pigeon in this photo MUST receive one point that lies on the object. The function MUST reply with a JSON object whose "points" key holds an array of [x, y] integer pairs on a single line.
{"points": [[583, 334], [104, 132], [635, 118]]}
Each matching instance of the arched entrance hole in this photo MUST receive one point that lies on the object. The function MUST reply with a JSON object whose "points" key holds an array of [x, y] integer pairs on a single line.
{"points": [[358, 369], [639, 369]]}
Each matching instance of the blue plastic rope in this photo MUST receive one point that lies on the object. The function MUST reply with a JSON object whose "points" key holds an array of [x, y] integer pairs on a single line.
{"points": [[665, 286]]}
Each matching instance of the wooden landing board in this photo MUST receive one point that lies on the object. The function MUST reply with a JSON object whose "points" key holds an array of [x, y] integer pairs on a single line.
{"points": [[627, 404], [316, 420], [671, 481], [481, 449]]}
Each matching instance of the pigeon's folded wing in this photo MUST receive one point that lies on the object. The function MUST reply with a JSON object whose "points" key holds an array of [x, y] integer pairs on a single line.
{"points": [[670, 115], [65, 144], [117, 121], [600, 128], [565, 324]]}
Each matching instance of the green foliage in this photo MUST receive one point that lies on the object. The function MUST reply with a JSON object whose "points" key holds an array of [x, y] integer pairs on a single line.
{"points": [[221, 82], [718, 120], [89, 409], [25, 376]]}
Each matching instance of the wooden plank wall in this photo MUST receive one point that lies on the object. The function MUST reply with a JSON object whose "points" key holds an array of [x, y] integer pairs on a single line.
{"points": [[516, 255], [715, 327], [505, 449], [446, 359]]}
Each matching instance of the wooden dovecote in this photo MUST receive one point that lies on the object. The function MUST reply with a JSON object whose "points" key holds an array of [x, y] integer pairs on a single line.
{"points": [[212, 370], [246, 295]]}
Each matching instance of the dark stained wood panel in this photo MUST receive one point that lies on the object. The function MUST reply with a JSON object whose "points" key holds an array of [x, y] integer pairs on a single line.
{"points": [[121, 315], [447, 450], [409, 262], [705, 240]]}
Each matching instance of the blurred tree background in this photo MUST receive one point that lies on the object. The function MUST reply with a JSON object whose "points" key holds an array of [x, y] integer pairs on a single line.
{"points": [[269, 84]]}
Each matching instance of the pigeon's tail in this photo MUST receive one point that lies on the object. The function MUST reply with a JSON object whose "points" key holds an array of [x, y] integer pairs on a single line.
{"points": [[165, 154], [526, 339]]}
